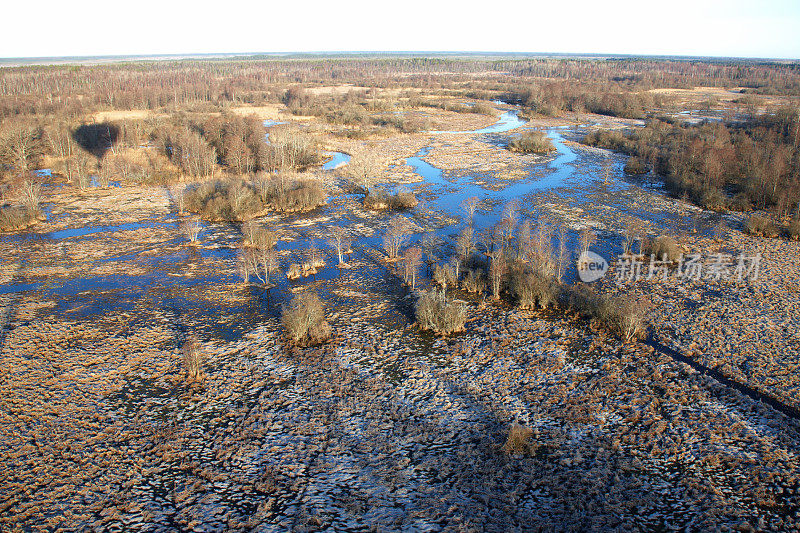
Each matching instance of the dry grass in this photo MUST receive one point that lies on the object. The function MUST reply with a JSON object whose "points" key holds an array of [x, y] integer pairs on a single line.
{"points": [[519, 439]]}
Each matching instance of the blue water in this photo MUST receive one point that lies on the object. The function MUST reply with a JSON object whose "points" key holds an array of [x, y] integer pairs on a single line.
{"points": [[507, 122], [337, 160]]}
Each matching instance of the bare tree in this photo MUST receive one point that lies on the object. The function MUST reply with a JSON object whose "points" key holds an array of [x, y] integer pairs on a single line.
{"points": [[191, 228], [362, 167], [339, 240], [430, 247], [412, 259], [21, 144], [396, 235], [470, 207], [497, 270], [632, 231], [465, 243], [563, 251], [607, 170], [586, 239], [192, 359], [30, 195]]}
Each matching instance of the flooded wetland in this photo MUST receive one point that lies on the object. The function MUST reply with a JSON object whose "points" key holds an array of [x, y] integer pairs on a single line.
{"points": [[526, 417]]}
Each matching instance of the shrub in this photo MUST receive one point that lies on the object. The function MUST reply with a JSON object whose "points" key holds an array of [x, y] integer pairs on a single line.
{"points": [[628, 317], [304, 320], [534, 289], [192, 359], [483, 108], [519, 439], [474, 281], [531, 142], [762, 226], [378, 199], [238, 200], [794, 229], [586, 302], [18, 217], [714, 199], [444, 276], [635, 166], [403, 200], [663, 246], [295, 271], [190, 228], [435, 312]]}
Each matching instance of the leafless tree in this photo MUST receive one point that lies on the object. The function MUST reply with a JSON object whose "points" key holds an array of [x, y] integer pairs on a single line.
{"points": [[607, 170], [362, 167], [632, 231], [20, 144], [470, 207], [396, 235], [412, 259], [586, 238], [430, 247], [465, 243], [30, 195], [563, 251], [339, 240], [192, 359], [497, 270], [191, 228]]}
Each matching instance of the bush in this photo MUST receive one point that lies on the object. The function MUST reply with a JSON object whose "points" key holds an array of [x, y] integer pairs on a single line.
{"points": [[304, 320], [18, 217], [534, 289], [519, 439], [794, 229], [531, 142], [628, 317], [192, 359], [583, 300], [435, 312], [444, 276], [761, 226], [378, 199], [474, 281], [238, 200], [663, 246], [635, 166], [624, 315], [295, 271], [714, 199]]}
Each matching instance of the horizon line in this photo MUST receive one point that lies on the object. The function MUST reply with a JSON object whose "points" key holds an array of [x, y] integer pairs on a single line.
{"points": [[114, 58]]}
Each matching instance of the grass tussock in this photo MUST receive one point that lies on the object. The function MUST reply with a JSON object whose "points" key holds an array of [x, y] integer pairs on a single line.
{"points": [[14, 218], [304, 320], [531, 142], [378, 199], [663, 247], [519, 440], [760, 226], [435, 312], [192, 360]]}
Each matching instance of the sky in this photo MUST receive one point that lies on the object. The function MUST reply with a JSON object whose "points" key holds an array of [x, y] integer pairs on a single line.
{"points": [[732, 28]]}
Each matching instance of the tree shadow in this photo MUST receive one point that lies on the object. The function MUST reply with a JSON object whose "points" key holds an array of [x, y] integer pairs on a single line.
{"points": [[97, 139]]}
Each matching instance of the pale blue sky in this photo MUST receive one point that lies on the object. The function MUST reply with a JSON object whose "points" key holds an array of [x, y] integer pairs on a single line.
{"points": [[767, 28]]}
